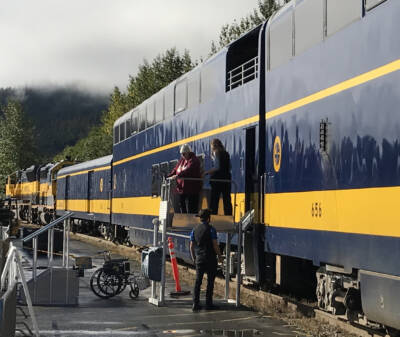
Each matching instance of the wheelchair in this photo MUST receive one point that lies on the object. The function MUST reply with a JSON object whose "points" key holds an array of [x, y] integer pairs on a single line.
{"points": [[113, 278]]}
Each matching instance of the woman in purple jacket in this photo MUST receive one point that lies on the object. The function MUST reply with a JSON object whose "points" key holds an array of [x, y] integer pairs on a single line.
{"points": [[188, 190]]}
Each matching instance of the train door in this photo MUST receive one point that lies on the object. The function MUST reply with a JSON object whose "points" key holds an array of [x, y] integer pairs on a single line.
{"points": [[252, 241], [250, 170], [66, 192], [90, 190]]}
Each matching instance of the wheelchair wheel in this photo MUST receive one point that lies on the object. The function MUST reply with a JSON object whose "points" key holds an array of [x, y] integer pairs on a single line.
{"points": [[109, 284], [94, 285], [134, 292]]}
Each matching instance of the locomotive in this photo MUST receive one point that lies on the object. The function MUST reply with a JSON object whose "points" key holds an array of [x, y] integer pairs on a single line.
{"points": [[306, 105], [33, 191]]}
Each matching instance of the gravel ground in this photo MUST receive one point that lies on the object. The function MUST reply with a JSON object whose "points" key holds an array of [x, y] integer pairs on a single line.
{"points": [[310, 326]]}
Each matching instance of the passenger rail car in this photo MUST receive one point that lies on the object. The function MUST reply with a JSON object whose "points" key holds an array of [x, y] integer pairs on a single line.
{"points": [[332, 150], [194, 109], [306, 105], [85, 189]]}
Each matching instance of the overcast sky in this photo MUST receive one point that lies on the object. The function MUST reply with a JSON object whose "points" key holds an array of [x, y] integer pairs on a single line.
{"points": [[98, 43]]}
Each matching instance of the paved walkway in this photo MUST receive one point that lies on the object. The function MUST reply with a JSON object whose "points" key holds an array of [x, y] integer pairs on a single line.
{"points": [[122, 316]]}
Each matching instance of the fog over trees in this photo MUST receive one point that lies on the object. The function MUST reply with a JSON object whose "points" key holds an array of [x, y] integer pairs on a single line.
{"points": [[39, 125]]}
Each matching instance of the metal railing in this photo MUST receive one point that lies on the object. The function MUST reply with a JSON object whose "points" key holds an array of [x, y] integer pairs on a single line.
{"points": [[166, 192], [13, 272], [242, 74], [50, 243], [47, 227]]}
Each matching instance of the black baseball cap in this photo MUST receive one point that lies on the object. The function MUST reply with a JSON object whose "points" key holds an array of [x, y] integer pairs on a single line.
{"points": [[204, 213]]}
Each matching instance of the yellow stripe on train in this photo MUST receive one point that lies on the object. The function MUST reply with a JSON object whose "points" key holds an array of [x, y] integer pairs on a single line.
{"points": [[317, 96], [370, 211], [85, 206], [135, 205]]}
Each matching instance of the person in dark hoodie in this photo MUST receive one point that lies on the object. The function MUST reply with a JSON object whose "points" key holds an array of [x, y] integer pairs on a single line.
{"points": [[220, 171], [187, 190], [204, 250]]}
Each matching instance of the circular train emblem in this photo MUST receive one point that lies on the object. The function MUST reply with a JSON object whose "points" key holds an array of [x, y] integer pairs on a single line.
{"points": [[101, 184], [277, 154]]}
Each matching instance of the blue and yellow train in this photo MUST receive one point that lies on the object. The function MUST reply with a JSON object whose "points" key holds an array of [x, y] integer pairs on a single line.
{"points": [[307, 106], [34, 192]]}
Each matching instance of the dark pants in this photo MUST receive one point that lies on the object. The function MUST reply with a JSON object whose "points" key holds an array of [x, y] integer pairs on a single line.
{"points": [[192, 203], [211, 269], [216, 190]]}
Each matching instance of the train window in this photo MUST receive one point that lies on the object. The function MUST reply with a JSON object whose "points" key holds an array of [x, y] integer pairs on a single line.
{"points": [[122, 131], [209, 80], [142, 118], [135, 121], [43, 175], [309, 19], [242, 60], [180, 96], [341, 13], [169, 101], [159, 108], [31, 173], [155, 180], [194, 90], [369, 4], [281, 39], [128, 128], [116, 134], [150, 114]]}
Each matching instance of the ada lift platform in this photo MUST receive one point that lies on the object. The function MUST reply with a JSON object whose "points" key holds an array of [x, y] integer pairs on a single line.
{"points": [[222, 224]]}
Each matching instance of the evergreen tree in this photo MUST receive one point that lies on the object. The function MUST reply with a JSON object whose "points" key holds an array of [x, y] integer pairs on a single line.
{"points": [[117, 107], [231, 32], [17, 145], [150, 79]]}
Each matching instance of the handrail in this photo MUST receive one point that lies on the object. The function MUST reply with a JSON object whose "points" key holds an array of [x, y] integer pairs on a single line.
{"points": [[244, 73], [12, 272], [47, 227], [204, 179], [254, 59], [252, 70]]}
